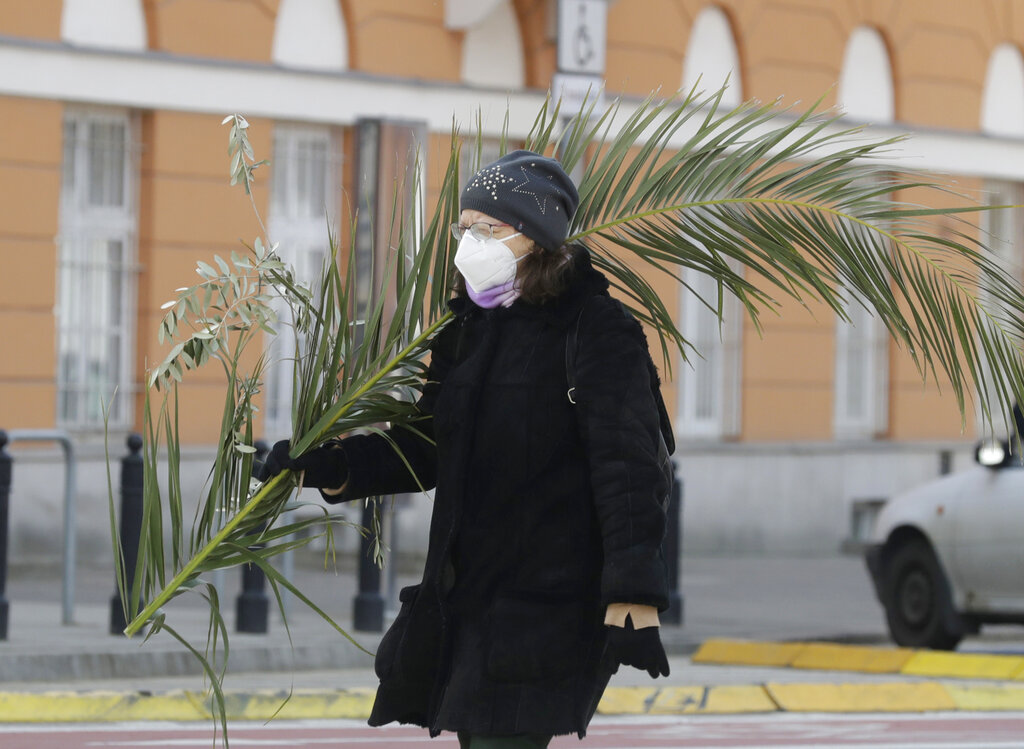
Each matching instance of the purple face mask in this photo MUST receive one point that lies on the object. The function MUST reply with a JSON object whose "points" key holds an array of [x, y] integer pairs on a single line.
{"points": [[496, 296]]}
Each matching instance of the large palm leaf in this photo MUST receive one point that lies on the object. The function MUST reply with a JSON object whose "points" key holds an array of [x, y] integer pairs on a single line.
{"points": [[768, 204], [803, 206]]}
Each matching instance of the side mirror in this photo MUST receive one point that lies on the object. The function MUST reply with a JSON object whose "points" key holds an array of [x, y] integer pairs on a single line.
{"points": [[992, 453]]}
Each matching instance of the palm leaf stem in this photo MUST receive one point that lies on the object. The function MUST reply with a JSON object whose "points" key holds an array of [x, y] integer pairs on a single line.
{"points": [[315, 435]]}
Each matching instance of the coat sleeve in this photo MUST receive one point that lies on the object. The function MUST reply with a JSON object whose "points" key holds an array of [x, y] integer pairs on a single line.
{"points": [[620, 428], [405, 460]]}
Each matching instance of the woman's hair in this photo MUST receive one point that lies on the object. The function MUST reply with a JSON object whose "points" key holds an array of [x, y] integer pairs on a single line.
{"points": [[541, 275]]}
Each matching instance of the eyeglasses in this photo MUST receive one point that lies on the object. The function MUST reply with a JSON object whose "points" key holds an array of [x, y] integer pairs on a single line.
{"points": [[480, 231]]}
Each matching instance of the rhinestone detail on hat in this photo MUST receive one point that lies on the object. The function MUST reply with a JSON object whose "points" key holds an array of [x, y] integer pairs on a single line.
{"points": [[541, 204], [490, 180]]}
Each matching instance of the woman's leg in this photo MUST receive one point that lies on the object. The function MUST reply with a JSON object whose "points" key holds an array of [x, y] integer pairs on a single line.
{"points": [[468, 741]]}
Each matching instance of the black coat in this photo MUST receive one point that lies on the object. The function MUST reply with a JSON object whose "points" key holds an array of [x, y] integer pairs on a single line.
{"points": [[544, 513]]}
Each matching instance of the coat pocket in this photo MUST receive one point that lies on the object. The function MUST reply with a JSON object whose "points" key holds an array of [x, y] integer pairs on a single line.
{"points": [[535, 640], [387, 650]]}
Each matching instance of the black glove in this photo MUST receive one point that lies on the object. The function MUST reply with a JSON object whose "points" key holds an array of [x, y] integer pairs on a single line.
{"points": [[323, 467], [639, 648]]}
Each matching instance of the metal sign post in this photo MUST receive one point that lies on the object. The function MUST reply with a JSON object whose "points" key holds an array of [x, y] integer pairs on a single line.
{"points": [[582, 30]]}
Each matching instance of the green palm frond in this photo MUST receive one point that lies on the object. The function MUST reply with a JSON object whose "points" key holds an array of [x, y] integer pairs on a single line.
{"points": [[772, 205]]}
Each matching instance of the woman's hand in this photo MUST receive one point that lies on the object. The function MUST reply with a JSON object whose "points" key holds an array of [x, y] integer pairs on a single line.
{"points": [[640, 646], [324, 467]]}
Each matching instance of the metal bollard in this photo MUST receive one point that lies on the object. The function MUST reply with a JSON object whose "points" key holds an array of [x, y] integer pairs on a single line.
{"points": [[368, 606], [131, 527], [5, 493], [252, 606], [672, 548]]}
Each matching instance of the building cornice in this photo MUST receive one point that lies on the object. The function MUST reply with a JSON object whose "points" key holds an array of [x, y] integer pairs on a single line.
{"points": [[162, 81]]}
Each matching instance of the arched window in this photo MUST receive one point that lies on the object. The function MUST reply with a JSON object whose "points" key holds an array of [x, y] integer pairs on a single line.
{"points": [[861, 383], [709, 386], [1002, 103], [116, 24], [492, 50], [711, 56], [310, 34], [865, 83]]}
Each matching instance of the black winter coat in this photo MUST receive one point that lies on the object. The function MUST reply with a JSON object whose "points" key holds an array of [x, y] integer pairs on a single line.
{"points": [[544, 513]]}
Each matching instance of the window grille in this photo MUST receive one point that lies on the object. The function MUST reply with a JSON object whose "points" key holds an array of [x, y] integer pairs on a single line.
{"points": [[96, 284], [304, 195]]}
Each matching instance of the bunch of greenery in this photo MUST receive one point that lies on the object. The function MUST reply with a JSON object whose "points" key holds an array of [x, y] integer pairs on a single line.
{"points": [[769, 203]]}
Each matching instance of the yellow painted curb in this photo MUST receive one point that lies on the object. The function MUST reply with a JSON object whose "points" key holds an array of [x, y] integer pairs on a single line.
{"points": [[302, 704], [747, 653], [57, 707], [824, 656], [975, 697], [98, 707], [626, 700], [713, 700], [963, 665], [66, 707], [890, 697]]}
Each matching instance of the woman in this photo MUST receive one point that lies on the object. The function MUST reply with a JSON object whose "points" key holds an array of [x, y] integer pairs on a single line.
{"points": [[543, 570]]}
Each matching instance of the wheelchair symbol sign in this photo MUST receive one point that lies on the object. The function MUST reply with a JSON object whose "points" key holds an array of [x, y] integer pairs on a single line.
{"points": [[581, 36]]}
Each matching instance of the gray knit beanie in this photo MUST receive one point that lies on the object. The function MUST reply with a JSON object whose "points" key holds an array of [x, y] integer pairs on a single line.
{"points": [[530, 192]]}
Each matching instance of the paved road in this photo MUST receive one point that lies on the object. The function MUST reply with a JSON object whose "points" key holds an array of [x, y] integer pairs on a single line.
{"points": [[945, 731]]}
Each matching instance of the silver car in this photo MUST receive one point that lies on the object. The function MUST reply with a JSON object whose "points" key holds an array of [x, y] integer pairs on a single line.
{"points": [[948, 556]]}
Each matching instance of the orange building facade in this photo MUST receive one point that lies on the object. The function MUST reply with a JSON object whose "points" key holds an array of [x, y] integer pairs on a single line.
{"points": [[113, 172]]}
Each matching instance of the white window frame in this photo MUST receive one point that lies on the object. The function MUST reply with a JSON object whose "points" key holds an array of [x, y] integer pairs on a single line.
{"points": [[866, 92], [861, 393], [1003, 233], [492, 50], [96, 301], [301, 230], [709, 384], [711, 57]]}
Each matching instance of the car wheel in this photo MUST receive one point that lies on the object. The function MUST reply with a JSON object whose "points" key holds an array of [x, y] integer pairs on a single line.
{"points": [[918, 605]]}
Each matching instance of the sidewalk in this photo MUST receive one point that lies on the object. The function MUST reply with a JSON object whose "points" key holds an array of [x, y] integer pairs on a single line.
{"points": [[757, 598], [47, 668]]}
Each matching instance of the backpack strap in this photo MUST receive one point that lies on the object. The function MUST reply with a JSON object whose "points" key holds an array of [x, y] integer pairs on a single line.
{"points": [[571, 344]]}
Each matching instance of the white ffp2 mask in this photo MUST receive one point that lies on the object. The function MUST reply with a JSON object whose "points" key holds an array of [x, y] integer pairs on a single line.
{"points": [[485, 264]]}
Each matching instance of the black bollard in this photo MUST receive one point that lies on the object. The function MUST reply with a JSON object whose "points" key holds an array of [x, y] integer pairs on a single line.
{"points": [[252, 607], [672, 549], [368, 609], [131, 527], [5, 493]]}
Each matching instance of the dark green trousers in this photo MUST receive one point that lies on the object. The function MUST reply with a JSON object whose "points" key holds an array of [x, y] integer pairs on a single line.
{"points": [[468, 741]]}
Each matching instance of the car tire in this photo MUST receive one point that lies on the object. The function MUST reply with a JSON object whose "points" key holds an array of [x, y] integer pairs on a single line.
{"points": [[918, 604]]}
